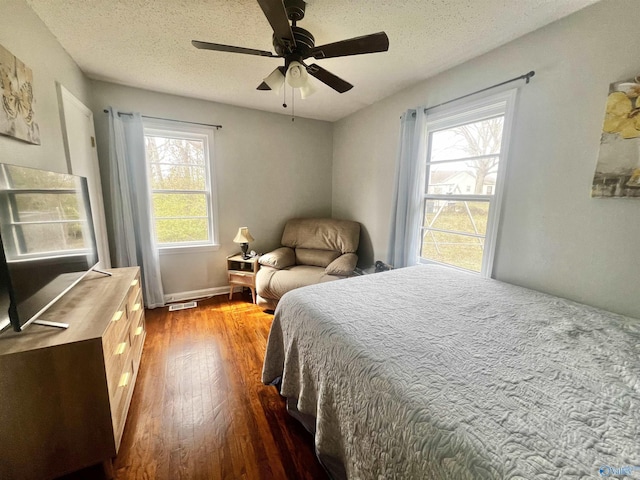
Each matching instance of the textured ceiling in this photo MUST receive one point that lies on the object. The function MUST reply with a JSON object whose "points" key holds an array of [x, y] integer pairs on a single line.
{"points": [[147, 44]]}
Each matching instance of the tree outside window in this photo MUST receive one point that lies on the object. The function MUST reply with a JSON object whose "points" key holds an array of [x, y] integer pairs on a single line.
{"points": [[180, 182], [464, 156]]}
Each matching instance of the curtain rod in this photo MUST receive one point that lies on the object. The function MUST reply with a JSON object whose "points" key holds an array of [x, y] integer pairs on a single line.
{"points": [[526, 77], [217, 127]]}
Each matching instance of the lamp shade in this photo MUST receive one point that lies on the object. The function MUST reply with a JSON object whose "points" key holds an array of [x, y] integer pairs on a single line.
{"points": [[243, 236], [307, 90], [275, 81], [298, 77]]}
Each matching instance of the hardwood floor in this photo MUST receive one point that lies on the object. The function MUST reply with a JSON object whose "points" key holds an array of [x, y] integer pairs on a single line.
{"points": [[200, 411]]}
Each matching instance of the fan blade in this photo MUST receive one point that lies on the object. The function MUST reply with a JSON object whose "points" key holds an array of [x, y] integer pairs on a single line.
{"points": [[376, 42], [329, 78], [229, 48], [277, 17]]}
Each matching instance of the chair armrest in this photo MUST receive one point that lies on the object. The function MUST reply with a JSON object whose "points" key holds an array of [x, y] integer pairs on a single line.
{"points": [[343, 266], [280, 258]]}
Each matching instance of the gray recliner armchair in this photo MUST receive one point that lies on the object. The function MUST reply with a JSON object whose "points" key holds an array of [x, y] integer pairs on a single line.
{"points": [[314, 250]]}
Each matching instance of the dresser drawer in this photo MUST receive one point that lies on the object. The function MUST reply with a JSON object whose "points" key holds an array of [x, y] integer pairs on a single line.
{"points": [[115, 362], [242, 278], [135, 305], [137, 332], [117, 326], [135, 295], [120, 402]]}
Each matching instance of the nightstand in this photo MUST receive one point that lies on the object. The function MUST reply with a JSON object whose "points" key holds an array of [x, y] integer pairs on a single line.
{"points": [[243, 273]]}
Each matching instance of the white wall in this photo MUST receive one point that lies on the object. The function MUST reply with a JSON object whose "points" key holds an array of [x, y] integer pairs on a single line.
{"points": [[553, 236], [25, 36], [268, 169]]}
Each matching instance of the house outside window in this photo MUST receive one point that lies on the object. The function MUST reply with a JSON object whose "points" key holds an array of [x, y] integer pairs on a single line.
{"points": [[467, 153], [181, 180]]}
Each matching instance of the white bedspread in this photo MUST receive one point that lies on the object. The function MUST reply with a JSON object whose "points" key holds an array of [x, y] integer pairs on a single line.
{"points": [[426, 372]]}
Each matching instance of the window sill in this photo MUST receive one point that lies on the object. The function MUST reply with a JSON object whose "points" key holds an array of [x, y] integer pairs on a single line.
{"points": [[178, 250]]}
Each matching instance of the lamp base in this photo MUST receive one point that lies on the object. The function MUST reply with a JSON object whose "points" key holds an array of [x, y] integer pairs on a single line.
{"points": [[244, 247]]}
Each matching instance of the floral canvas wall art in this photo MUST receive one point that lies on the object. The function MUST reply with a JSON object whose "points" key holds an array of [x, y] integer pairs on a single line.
{"points": [[16, 92], [618, 168]]}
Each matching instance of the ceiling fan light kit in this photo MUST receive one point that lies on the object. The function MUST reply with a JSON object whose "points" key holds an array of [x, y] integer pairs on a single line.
{"points": [[296, 76], [296, 44]]}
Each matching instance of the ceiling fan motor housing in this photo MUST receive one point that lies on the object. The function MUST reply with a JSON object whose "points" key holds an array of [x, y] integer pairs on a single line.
{"points": [[304, 43]]}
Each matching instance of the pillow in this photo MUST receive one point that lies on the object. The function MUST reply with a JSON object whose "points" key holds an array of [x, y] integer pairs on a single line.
{"points": [[280, 258], [342, 266], [313, 256]]}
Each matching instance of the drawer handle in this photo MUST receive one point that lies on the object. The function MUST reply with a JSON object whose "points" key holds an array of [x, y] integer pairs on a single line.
{"points": [[124, 379], [136, 307], [121, 348], [139, 331], [134, 283], [117, 316]]}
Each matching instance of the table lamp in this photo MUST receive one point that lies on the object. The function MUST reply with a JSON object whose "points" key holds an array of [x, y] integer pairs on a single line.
{"points": [[243, 237]]}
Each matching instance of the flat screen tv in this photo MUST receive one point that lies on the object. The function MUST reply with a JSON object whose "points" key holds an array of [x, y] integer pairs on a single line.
{"points": [[47, 240]]}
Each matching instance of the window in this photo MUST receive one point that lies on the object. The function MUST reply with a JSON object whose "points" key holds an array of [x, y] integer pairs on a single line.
{"points": [[180, 180], [466, 151]]}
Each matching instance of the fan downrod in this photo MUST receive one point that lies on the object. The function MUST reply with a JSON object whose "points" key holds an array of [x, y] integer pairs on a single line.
{"points": [[295, 9]]}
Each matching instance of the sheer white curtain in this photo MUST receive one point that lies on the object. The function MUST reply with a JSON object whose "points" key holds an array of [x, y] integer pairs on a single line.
{"points": [[131, 207], [404, 241]]}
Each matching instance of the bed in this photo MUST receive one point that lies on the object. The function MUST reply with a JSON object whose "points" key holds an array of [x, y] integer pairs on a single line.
{"points": [[428, 372]]}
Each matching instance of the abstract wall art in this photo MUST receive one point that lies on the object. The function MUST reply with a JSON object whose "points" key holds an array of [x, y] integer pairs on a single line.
{"points": [[17, 118]]}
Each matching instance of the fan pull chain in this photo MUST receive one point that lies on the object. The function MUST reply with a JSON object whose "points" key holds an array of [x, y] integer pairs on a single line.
{"points": [[293, 105]]}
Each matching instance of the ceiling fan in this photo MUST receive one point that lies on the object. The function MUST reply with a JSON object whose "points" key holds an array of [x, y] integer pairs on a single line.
{"points": [[296, 44]]}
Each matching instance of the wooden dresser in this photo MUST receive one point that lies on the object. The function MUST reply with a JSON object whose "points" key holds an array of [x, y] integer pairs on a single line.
{"points": [[64, 394]]}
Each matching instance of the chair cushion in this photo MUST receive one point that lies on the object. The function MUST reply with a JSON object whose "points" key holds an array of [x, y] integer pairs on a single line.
{"points": [[272, 283], [312, 256], [322, 234], [282, 257], [343, 266]]}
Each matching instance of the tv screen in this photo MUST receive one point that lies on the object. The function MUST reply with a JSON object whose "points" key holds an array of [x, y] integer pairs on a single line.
{"points": [[47, 239]]}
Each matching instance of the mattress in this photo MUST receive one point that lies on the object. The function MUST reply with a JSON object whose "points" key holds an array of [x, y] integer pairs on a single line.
{"points": [[428, 372]]}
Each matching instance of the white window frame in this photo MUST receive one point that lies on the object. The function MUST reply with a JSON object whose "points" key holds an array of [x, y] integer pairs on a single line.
{"points": [[463, 112], [170, 128]]}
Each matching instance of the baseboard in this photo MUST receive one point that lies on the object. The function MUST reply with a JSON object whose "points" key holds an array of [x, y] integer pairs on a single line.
{"points": [[195, 294]]}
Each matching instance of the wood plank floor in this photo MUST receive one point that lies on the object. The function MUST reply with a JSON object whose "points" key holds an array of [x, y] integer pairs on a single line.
{"points": [[200, 411]]}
